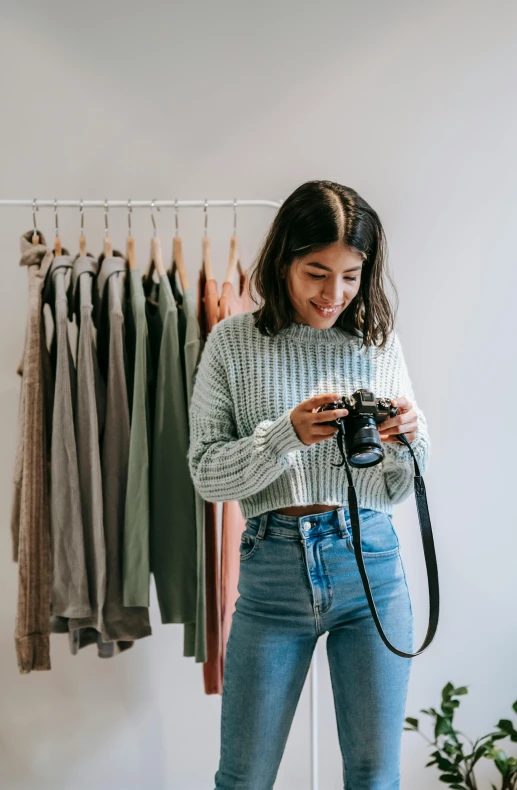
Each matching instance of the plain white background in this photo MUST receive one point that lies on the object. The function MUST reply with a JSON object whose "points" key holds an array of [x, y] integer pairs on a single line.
{"points": [[413, 105]]}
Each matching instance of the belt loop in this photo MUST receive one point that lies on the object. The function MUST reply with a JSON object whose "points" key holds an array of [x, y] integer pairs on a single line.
{"points": [[343, 531], [263, 524]]}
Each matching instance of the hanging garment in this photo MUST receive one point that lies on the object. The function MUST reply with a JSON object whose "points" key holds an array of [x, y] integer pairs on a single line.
{"points": [[194, 634], [182, 323], [230, 303], [208, 316], [89, 423], [173, 518], [233, 522], [90, 409], [120, 622], [70, 595], [136, 559], [30, 515]]}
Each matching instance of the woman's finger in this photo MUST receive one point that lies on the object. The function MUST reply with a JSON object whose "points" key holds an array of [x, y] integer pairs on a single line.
{"points": [[400, 419], [405, 428], [401, 403]]}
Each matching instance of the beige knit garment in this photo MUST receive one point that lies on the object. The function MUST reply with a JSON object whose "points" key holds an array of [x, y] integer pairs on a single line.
{"points": [[30, 518]]}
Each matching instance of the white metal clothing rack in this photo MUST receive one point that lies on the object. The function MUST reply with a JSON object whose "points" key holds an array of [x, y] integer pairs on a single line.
{"points": [[36, 204]]}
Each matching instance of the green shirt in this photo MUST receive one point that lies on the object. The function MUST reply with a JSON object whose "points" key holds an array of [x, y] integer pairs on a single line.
{"points": [[194, 643], [173, 509]]}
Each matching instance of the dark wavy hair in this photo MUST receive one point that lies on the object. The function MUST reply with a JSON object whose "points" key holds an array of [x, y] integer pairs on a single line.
{"points": [[316, 214]]}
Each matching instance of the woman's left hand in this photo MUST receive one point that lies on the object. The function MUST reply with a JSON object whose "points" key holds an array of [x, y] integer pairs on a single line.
{"points": [[406, 422]]}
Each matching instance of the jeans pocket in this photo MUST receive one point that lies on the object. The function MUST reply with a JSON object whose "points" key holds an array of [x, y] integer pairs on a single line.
{"points": [[378, 537], [249, 539], [248, 546]]}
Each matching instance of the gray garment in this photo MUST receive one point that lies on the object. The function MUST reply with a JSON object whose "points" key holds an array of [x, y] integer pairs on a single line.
{"points": [[70, 596], [90, 408], [89, 413], [120, 622]]}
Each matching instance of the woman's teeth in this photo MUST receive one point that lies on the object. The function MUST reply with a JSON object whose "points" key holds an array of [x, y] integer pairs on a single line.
{"points": [[325, 311]]}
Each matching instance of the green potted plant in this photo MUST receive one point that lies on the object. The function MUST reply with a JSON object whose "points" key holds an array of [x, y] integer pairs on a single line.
{"points": [[457, 767]]}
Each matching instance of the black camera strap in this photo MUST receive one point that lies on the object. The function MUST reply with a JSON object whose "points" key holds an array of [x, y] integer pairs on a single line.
{"points": [[427, 542]]}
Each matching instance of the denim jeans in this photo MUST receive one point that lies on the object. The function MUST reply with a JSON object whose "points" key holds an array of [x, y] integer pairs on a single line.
{"points": [[299, 579]]}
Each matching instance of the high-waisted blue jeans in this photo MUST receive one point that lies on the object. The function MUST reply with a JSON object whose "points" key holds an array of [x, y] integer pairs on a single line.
{"points": [[299, 579]]}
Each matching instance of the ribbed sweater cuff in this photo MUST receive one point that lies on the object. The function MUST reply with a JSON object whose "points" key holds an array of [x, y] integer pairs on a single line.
{"points": [[33, 652], [398, 452], [282, 436]]}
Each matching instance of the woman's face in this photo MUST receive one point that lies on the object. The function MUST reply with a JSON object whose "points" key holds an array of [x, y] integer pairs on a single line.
{"points": [[329, 279]]}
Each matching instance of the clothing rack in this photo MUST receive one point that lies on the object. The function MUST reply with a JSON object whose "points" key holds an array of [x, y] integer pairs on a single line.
{"points": [[36, 204]]}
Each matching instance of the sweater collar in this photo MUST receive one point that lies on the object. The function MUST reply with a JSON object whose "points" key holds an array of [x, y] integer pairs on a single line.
{"points": [[305, 333]]}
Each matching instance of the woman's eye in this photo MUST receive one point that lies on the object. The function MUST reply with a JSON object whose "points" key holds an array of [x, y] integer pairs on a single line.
{"points": [[320, 276]]}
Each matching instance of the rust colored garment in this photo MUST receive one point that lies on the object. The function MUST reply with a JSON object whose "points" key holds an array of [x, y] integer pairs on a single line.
{"points": [[233, 525], [233, 522], [208, 316], [230, 303], [30, 516]]}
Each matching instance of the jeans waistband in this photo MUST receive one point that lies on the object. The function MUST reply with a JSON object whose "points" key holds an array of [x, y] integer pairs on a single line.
{"points": [[300, 526], [314, 524]]}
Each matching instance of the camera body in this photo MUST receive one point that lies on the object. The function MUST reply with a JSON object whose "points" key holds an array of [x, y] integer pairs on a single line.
{"points": [[365, 411]]}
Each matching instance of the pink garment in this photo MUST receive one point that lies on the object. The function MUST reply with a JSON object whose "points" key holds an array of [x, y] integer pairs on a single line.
{"points": [[208, 316], [233, 522]]}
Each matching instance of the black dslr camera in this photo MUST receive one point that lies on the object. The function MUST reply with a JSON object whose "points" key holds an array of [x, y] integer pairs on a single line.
{"points": [[365, 411]]}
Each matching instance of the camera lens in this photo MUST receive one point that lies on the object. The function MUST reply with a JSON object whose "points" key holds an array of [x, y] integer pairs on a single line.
{"points": [[362, 440]]}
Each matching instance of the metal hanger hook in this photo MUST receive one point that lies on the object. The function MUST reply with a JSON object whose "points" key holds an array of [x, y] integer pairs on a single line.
{"points": [[34, 209], [176, 216], [106, 228], [235, 217], [55, 213], [129, 210], [81, 213], [206, 216], [152, 215]]}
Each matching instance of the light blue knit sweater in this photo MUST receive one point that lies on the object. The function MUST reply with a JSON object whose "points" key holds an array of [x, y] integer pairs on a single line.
{"points": [[243, 445]]}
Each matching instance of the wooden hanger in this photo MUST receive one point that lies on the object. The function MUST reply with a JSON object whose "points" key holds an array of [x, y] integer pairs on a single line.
{"points": [[207, 256], [82, 237], [35, 235], [234, 260], [207, 259], [130, 253], [107, 247], [177, 258], [130, 243], [57, 242], [156, 260], [156, 257]]}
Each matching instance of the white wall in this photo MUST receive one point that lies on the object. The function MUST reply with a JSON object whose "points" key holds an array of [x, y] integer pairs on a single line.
{"points": [[412, 104]]}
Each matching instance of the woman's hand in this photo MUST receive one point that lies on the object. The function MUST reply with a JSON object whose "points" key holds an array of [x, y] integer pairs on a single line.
{"points": [[308, 423], [406, 422]]}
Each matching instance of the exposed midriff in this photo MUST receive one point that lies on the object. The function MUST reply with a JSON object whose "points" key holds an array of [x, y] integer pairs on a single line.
{"points": [[306, 510]]}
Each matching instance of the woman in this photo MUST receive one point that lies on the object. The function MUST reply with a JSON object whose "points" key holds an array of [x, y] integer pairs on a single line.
{"points": [[325, 329]]}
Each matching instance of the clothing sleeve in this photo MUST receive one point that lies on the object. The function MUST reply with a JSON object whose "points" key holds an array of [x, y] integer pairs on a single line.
{"points": [[398, 464], [224, 467]]}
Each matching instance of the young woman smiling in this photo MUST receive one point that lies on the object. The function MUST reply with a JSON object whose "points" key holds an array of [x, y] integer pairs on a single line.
{"points": [[324, 329]]}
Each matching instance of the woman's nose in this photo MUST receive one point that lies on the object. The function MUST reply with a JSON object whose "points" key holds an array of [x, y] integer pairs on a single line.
{"points": [[333, 293]]}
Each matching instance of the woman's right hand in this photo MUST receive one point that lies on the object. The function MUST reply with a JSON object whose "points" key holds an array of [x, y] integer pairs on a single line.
{"points": [[307, 422]]}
